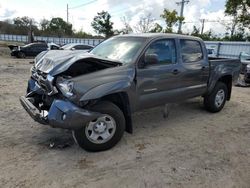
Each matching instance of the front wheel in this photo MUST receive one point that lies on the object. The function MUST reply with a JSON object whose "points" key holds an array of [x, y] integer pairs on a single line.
{"points": [[21, 55], [104, 132], [215, 101]]}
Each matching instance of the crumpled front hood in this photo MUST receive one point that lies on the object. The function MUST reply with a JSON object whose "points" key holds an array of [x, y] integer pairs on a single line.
{"points": [[56, 61]]}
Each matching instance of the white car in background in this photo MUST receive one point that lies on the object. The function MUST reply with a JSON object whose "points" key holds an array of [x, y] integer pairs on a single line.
{"points": [[77, 46]]}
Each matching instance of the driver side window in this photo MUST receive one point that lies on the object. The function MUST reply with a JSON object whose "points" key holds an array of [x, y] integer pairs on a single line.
{"points": [[164, 49]]}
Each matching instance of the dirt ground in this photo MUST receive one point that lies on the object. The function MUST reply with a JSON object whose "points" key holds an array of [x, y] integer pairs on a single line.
{"points": [[191, 148]]}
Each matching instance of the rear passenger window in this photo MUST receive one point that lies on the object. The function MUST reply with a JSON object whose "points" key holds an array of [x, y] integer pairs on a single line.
{"points": [[164, 49], [82, 47], [191, 51]]}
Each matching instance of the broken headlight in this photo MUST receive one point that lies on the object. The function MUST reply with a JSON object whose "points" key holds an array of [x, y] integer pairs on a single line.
{"points": [[66, 87], [32, 70]]}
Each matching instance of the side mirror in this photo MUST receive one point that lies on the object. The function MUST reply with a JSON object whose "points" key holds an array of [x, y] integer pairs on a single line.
{"points": [[151, 59]]}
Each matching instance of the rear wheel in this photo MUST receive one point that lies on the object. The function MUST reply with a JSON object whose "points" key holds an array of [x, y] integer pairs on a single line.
{"points": [[215, 101], [104, 132]]}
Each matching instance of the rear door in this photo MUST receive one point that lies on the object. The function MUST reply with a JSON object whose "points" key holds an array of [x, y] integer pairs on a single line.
{"points": [[158, 84], [27, 49], [194, 68], [82, 47], [38, 48]]}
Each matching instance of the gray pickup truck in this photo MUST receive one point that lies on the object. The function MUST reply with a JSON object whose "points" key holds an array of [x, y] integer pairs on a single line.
{"points": [[94, 94]]}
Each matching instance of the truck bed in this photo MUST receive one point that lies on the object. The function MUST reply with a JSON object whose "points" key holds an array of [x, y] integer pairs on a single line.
{"points": [[233, 63], [224, 65]]}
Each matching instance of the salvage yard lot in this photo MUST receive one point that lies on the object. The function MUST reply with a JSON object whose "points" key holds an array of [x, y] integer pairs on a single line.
{"points": [[191, 148]]}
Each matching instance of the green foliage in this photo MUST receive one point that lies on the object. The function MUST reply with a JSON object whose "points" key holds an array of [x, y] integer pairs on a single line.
{"points": [[44, 24], [195, 32], [171, 18], [24, 24], [59, 27], [239, 8], [82, 34], [240, 11], [102, 24], [207, 36]]}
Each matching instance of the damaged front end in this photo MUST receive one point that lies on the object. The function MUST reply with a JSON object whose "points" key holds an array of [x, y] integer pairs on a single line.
{"points": [[61, 114], [51, 97]]}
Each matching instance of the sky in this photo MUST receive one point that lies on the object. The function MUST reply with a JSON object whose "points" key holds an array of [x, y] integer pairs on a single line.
{"points": [[82, 16]]}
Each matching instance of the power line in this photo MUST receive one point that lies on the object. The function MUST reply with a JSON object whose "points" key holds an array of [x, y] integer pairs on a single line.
{"points": [[84, 4], [210, 21], [78, 6]]}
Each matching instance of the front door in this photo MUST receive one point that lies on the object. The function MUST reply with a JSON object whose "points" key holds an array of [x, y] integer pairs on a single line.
{"points": [[158, 83]]}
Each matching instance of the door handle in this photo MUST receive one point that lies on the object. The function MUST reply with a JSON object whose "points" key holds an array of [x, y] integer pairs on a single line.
{"points": [[203, 68], [175, 71]]}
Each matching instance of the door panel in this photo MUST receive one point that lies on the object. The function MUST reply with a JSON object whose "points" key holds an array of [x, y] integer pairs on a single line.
{"points": [[194, 68], [184, 78], [158, 84]]}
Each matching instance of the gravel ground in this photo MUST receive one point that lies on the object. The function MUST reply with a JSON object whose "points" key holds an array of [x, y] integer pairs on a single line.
{"points": [[191, 148]]}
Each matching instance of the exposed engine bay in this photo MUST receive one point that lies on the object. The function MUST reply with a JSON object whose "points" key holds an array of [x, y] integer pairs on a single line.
{"points": [[82, 67]]}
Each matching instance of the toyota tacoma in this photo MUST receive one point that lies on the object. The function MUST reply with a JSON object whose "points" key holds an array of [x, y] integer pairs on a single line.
{"points": [[94, 94]]}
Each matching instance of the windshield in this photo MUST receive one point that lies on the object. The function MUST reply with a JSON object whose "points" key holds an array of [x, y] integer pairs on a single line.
{"points": [[122, 49]]}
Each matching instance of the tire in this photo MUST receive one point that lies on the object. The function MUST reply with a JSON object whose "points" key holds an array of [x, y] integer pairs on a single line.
{"points": [[21, 55], [86, 136], [215, 101]]}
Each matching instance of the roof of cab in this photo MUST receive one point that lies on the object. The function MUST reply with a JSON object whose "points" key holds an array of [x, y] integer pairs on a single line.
{"points": [[160, 35]]}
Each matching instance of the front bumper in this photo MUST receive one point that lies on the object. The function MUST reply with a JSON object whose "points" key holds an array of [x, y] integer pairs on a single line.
{"points": [[247, 74], [247, 77], [13, 53], [62, 114]]}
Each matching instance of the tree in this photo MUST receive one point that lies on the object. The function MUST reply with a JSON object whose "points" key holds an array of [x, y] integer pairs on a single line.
{"points": [[195, 32], [157, 28], [171, 18], [127, 28], [207, 36], [44, 24], [22, 21], [59, 27], [25, 24], [145, 24], [239, 9], [102, 24], [82, 34], [240, 12], [7, 27]]}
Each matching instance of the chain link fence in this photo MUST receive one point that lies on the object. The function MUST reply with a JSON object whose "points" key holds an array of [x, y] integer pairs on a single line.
{"points": [[57, 40]]}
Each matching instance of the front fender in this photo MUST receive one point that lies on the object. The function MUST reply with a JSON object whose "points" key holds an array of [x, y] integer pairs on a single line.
{"points": [[106, 89]]}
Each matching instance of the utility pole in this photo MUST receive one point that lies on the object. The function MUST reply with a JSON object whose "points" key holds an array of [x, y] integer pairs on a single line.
{"points": [[202, 25], [182, 3], [67, 13]]}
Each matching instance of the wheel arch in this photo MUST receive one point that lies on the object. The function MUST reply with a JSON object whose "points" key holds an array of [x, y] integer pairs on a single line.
{"points": [[227, 80], [121, 99]]}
